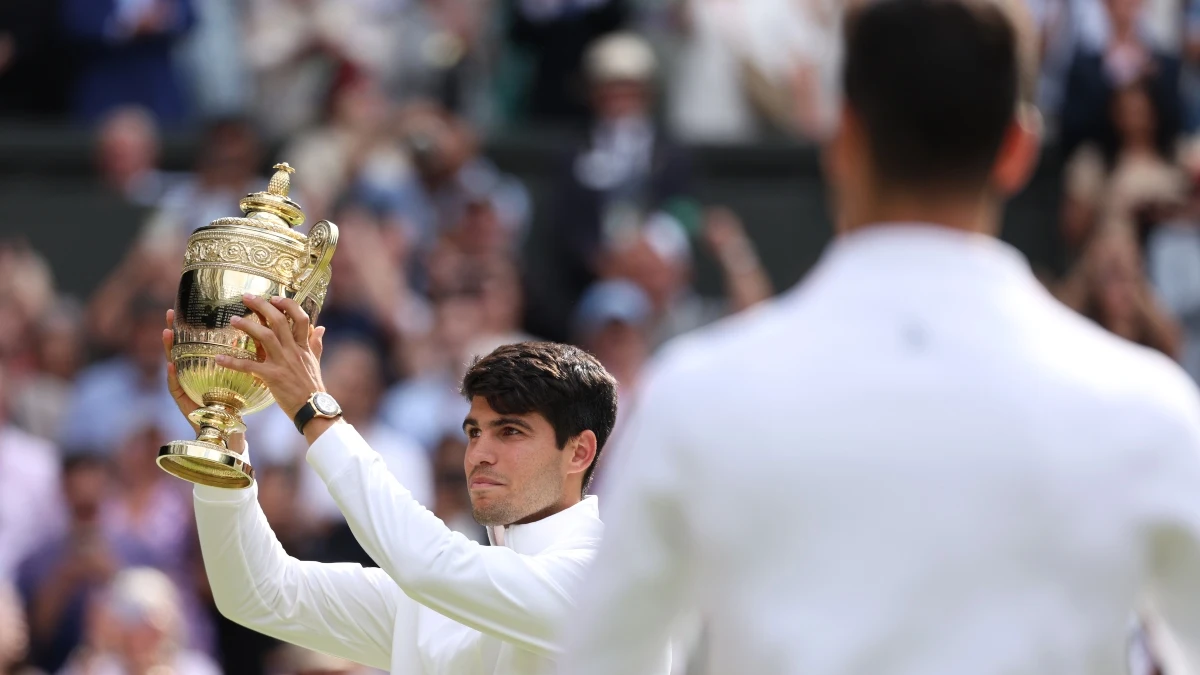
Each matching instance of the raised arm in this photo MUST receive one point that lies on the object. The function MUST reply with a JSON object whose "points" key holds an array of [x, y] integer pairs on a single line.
{"points": [[340, 609], [524, 600], [520, 599]]}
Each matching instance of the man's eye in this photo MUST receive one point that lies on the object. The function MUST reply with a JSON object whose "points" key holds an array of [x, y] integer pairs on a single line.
{"points": [[472, 433], [511, 431]]}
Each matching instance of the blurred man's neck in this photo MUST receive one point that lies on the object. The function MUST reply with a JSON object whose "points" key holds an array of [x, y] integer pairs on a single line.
{"points": [[978, 213]]}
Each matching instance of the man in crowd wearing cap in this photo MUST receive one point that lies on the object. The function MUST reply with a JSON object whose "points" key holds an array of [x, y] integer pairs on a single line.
{"points": [[540, 414], [625, 172], [918, 461]]}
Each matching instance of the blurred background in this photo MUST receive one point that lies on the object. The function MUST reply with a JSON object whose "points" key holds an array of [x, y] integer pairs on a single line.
{"points": [[611, 173]]}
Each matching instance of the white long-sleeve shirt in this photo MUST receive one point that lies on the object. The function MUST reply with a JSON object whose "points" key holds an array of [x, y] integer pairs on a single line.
{"points": [[917, 462], [441, 604]]}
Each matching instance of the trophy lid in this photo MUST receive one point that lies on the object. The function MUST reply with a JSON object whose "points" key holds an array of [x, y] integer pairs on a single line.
{"points": [[275, 202]]}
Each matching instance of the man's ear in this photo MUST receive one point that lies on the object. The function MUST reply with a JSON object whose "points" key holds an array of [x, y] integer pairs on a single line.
{"points": [[581, 452], [1019, 152]]}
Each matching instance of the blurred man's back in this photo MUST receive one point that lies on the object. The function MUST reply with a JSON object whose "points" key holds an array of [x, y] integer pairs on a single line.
{"points": [[918, 461]]}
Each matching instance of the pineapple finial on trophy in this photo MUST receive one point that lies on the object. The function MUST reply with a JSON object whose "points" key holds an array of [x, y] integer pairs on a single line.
{"points": [[274, 206], [281, 182]]}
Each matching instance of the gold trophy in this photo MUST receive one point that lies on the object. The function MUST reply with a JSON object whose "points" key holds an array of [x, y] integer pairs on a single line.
{"points": [[260, 254]]}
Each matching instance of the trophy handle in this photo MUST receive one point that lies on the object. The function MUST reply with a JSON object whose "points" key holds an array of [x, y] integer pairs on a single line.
{"points": [[322, 241]]}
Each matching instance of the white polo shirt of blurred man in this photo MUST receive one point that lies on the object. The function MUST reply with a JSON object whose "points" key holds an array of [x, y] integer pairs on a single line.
{"points": [[918, 461]]}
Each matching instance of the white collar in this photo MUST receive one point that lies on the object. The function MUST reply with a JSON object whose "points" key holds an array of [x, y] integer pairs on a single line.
{"points": [[579, 521], [925, 246]]}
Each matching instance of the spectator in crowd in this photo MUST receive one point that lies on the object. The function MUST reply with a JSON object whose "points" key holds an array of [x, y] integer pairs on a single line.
{"points": [[144, 631], [426, 405], [40, 400], [352, 145], [26, 290], [154, 509], [758, 63], [227, 170], [627, 173], [554, 35], [450, 175], [60, 577], [659, 258], [1137, 164], [213, 60], [127, 154], [1173, 265], [29, 484], [502, 305], [1116, 295], [294, 49], [446, 54], [1097, 71], [613, 322], [133, 380], [127, 57]]}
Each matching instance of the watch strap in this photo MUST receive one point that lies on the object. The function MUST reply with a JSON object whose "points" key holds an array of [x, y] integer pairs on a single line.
{"points": [[305, 415]]}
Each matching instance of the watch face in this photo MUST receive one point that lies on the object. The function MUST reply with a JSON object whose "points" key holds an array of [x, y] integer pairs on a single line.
{"points": [[325, 404]]}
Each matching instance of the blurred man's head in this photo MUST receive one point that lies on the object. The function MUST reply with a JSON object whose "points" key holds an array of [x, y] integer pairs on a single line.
{"points": [[144, 604], [127, 146], [613, 320], [353, 374], [933, 117], [658, 257], [438, 143], [230, 154], [1133, 115], [60, 341], [502, 295], [85, 480], [1124, 13], [540, 415], [137, 450], [621, 68]]}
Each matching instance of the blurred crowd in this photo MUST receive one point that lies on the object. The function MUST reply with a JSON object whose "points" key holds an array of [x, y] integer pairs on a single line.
{"points": [[382, 106]]}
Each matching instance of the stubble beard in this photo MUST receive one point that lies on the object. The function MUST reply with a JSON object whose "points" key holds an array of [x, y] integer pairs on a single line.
{"points": [[535, 498]]}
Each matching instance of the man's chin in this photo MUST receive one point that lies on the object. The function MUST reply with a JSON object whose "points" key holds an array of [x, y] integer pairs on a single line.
{"points": [[490, 515]]}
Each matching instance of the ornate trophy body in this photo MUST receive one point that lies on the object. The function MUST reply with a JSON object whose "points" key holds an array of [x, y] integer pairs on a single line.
{"points": [[259, 253]]}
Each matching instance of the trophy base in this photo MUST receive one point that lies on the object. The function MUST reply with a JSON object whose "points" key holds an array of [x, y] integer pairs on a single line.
{"points": [[206, 463]]}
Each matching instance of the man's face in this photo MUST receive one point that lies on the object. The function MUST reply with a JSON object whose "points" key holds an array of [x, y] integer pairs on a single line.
{"points": [[621, 99], [514, 467]]}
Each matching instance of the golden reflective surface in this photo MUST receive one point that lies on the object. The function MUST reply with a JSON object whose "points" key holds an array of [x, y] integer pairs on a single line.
{"points": [[232, 257]]}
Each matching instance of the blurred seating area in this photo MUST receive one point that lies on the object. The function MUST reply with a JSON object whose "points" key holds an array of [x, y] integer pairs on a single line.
{"points": [[612, 173]]}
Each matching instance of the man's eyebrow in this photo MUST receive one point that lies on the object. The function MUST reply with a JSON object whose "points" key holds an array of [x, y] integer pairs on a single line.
{"points": [[511, 421], [469, 422]]}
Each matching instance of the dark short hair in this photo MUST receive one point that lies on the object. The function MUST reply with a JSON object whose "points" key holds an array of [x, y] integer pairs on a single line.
{"points": [[935, 84], [80, 459], [562, 383]]}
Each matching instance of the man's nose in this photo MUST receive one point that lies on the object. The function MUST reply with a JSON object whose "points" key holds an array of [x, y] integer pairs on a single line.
{"points": [[480, 452]]}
